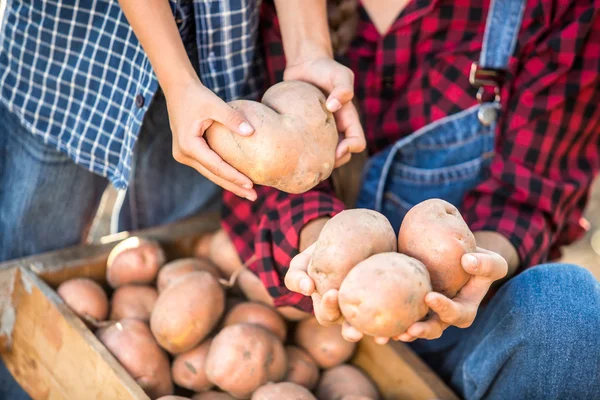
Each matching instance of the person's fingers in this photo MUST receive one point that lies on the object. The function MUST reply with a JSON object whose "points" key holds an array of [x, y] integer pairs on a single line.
{"points": [[405, 337], [451, 312], [233, 119], [350, 333], [330, 307], [197, 149], [381, 340], [348, 123], [296, 278], [429, 329], [341, 161], [342, 88], [485, 265]]}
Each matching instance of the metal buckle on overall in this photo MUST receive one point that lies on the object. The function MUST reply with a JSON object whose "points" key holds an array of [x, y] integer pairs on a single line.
{"points": [[482, 78]]}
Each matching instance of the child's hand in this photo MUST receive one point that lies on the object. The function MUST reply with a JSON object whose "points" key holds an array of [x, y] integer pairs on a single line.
{"points": [[192, 109]]}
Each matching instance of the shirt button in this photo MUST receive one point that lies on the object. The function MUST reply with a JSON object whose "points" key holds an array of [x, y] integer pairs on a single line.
{"points": [[387, 82], [139, 101]]}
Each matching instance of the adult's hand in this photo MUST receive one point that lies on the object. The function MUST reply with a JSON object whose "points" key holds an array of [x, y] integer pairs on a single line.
{"points": [[192, 110], [337, 81]]}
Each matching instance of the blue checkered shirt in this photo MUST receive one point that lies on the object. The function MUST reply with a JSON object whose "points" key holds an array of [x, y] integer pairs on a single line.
{"points": [[75, 74]]}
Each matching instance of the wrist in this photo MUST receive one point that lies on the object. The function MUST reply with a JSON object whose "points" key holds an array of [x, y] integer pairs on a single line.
{"points": [[306, 52], [175, 84], [310, 232]]}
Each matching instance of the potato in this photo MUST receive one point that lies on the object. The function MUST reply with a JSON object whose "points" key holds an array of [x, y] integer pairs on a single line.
{"points": [[347, 239], [131, 342], [244, 357], [133, 301], [187, 311], [345, 382], [293, 146], [178, 268], [435, 233], [134, 260], [212, 395], [170, 397], [283, 390], [324, 343], [385, 294], [302, 369], [188, 368], [258, 314], [85, 297]]}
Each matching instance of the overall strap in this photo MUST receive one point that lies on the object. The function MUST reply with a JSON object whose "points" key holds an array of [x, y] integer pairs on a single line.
{"points": [[499, 41]]}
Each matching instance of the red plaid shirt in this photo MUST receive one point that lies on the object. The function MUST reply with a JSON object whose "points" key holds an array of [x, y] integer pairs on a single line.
{"points": [[548, 141]]}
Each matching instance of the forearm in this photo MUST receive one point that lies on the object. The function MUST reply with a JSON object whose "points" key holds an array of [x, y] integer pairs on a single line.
{"points": [[499, 244], [154, 26], [304, 29]]}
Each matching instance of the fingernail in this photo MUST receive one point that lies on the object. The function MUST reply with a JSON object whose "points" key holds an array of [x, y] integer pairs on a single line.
{"points": [[250, 197], [470, 261], [333, 105], [247, 186], [245, 128], [305, 286]]}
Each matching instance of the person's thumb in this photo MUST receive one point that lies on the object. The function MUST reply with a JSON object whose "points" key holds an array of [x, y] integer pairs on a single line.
{"points": [[233, 119]]}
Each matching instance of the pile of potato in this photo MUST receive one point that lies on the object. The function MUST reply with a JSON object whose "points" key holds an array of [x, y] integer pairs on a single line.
{"points": [[180, 329]]}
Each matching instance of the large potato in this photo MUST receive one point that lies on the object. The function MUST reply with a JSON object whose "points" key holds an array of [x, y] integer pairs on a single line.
{"points": [[212, 395], [85, 297], [174, 270], [324, 343], [187, 311], [347, 239], [346, 381], [293, 146], [435, 233], [133, 301], [258, 314], [302, 369], [188, 368], [385, 294], [131, 342], [134, 260], [244, 357], [281, 391]]}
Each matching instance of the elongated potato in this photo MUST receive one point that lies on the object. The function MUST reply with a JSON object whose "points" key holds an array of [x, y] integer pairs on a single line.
{"points": [[133, 301], [302, 368], [385, 294], [347, 239], [85, 297], [244, 357], [345, 382], [187, 311], [212, 395], [134, 261], [293, 146], [435, 233], [131, 342], [282, 390], [174, 270], [188, 368], [258, 314], [325, 344]]}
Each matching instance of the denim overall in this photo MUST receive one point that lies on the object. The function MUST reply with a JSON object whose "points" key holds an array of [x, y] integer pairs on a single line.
{"points": [[450, 156]]}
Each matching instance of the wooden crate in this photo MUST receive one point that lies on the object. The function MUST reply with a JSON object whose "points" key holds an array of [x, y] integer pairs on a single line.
{"points": [[53, 355]]}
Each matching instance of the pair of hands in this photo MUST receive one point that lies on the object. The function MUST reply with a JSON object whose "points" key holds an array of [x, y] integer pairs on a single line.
{"points": [[194, 108], [485, 266]]}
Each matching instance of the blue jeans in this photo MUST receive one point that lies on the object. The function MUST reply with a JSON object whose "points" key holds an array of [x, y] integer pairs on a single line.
{"points": [[47, 202], [538, 338]]}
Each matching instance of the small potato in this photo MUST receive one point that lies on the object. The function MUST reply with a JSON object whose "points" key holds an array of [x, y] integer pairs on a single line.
{"points": [[244, 357], [385, 294], [324, 343], [258, 314], [435, 233], [174, 270], [187, 311], [302, 369], [133, 301], [212, 395], [346, 382], [131, 342], [347, 239], [188, 368], [85, 297], [283, 390], [134, 261]]}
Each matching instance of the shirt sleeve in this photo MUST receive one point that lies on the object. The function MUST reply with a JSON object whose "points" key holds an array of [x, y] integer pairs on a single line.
{"points": [[266, 233], [547, 151]]}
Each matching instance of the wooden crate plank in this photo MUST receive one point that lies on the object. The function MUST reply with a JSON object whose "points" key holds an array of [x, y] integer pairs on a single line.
{"points": [[399, 373], [50, 351]]}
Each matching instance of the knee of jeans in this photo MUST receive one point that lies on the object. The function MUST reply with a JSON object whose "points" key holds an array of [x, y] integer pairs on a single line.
{"points": [[555, 301]]}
